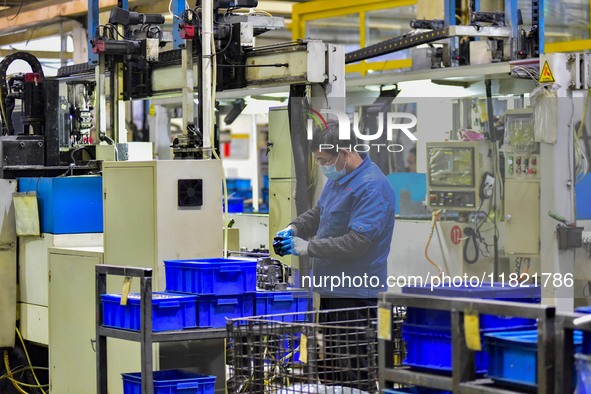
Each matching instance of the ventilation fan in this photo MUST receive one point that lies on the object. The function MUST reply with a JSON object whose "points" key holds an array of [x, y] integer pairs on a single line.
{"points": [[190, 192]]}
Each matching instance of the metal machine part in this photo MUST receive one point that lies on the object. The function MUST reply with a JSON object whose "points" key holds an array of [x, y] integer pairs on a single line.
{"points": [[272, 274]]}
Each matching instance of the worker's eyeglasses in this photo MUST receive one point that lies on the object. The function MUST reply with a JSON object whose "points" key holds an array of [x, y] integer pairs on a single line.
{"points": [[324, 162]]}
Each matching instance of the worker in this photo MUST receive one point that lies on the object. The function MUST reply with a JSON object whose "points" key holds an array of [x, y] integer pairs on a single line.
{"points": [[352, 225]]}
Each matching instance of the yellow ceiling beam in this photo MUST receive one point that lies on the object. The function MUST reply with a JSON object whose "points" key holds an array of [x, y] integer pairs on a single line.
{"points": [[39, 54]]}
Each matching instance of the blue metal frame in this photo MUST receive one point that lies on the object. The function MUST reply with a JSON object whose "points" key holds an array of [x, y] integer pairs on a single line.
{"points": [[93, 22], [178, 6], [511, 19], [541, 28], [449, 12]]}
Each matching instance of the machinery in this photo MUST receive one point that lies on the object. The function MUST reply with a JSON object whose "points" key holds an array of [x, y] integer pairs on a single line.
{"points": [[459, 175], [44, 123]]}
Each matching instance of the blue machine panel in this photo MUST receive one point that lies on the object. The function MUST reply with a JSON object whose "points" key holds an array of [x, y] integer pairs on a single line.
{"points": [[68, 205], [583, 191]]}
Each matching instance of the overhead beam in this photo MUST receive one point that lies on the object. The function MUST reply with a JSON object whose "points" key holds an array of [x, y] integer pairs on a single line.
{"points": [[36, 32], [39, 54], [28, 18]]}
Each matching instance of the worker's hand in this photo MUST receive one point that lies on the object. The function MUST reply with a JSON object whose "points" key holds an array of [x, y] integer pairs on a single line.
{"points": [[295, 246], [285, 233]]}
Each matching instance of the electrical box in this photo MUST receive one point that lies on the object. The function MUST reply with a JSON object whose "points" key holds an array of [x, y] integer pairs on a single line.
{"points": [[8, 290], [280, 152], [459, 175], [522, 217], [149, 216]]}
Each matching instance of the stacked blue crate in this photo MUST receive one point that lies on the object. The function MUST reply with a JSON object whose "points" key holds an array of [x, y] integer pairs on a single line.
{"points": [[171, 382], [513, 356], [427, 332], [239, 192], [225, 288]]}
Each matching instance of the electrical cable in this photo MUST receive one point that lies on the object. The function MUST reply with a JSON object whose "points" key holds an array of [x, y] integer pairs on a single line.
{"points": [[435, 216], [581, 161], [28, 358]]}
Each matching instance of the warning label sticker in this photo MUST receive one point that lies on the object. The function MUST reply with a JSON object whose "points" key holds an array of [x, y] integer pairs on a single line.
{"points": [[546, 74]]}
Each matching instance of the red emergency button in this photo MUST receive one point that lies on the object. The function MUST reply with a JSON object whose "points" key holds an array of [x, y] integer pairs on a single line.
{"points": [[533, 161], [532, 170]]}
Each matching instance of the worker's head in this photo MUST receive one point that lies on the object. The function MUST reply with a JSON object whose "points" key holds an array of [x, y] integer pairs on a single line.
{"points": [[336, 157], [411, 160]]}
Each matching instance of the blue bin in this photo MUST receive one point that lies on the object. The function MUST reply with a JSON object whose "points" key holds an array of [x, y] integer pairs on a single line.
{"points": [[282, 303], [442, 319], [235, 205], [583, 364], [170, 312], [170, 382], [60, 199], [513, 356], [415, 390], [586, 334], [216, 276], [430, 348], [214, 310]]}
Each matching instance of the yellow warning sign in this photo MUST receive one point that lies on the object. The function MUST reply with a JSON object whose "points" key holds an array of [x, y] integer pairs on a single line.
{"points": [[546, 74]]}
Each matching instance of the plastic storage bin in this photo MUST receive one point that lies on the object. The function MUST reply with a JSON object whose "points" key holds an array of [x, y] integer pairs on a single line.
{"points": [[60, 198], [513, 356], [282, 303], [430, 348], [170, 312], [583, 364], [213, 310], [429, 317], [171, 382], [586, 335], [216, 276]]}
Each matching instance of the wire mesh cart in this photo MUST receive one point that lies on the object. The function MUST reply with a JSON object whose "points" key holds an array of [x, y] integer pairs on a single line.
{"points": [[328, 351]]}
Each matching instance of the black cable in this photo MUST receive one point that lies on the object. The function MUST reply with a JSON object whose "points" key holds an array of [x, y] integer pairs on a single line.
{"points": [[471, 237], [20, 7]]}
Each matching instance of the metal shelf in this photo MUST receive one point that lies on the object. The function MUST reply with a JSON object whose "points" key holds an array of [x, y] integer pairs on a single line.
{"points": [[463, 377], [165, 336], [144, 336]]}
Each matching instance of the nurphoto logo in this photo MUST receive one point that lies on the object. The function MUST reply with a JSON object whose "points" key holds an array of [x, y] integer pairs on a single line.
{"points": [[402, 121]]}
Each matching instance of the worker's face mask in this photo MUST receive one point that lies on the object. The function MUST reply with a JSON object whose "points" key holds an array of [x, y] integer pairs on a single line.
{"points": [[330, 171]]}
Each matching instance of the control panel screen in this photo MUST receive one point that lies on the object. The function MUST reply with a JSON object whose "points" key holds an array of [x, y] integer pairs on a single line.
{"points": [[451, 166]]}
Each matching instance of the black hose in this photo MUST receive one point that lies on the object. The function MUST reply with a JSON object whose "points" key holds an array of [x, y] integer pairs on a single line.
{"points": [[471, 233], [299, 144]]}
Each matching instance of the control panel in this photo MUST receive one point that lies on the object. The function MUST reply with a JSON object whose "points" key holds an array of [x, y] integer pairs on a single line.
{"points": [[452, 199], [522, 166]]}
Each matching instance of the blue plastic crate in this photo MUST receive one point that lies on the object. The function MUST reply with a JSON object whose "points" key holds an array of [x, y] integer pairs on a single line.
{"points": [[583, 364], [235, 204], [61, 198], [216, 276], [213, 310], [442, 319], [415, 390], [170, 312], [430, 348], [282, 303], [170, 382], [586, 334], [513, 356]]}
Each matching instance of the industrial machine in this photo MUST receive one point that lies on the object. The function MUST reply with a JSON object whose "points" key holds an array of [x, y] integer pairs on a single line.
{"points": [[459, 175]]}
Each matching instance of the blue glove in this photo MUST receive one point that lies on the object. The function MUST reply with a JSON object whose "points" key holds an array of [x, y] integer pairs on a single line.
{"points": [[285, 233], [295, 246]]}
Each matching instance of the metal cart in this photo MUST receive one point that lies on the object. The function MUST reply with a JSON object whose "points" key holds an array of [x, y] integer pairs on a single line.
{"points": [[463, 378], [144, 336], [328, 351]]}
